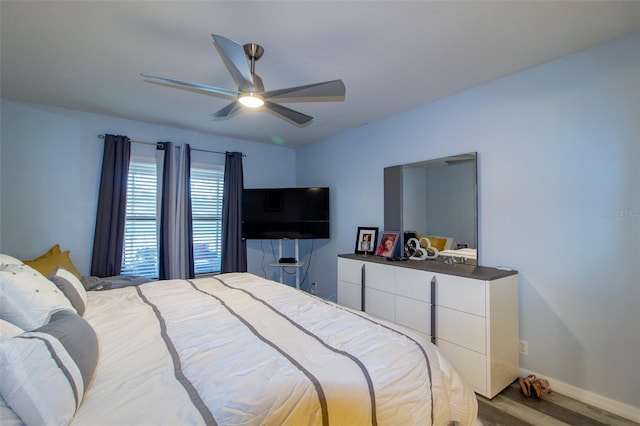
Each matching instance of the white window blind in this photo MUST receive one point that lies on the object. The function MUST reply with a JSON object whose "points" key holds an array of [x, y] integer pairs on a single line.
{"points": [[140, 254], [206, 204]]}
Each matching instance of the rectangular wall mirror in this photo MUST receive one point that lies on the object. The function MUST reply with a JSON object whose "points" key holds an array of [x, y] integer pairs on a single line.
{"points": [[436, 198]]}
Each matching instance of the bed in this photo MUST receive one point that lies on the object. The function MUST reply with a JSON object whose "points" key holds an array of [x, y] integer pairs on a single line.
{"points": [[467, 253], [232, 349]]}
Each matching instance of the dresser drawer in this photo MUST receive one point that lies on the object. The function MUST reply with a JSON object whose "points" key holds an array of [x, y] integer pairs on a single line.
{"points": [[380, 277], [462, 294], [414, 284], [414, 314], [350, 271], [349, 295], [472, 365], [466, 330], [380, 304]]}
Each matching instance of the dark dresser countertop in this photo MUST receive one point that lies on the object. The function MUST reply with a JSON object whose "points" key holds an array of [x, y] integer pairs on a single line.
{"points": [[483, 273]]}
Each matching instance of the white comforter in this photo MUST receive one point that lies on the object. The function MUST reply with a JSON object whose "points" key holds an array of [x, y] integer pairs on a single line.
{"points": [[240, 350]]}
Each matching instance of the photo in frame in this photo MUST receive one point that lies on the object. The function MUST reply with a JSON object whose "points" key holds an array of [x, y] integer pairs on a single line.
{"points": [[366, 240], [388, 244]]}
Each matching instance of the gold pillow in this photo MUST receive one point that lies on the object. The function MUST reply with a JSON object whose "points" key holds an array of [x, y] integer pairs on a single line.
{"points": [[52, 251], [436, 242], [48, 262]]}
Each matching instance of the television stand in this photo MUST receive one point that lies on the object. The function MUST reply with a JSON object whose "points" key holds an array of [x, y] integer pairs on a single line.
{"points": [[284, 262]]}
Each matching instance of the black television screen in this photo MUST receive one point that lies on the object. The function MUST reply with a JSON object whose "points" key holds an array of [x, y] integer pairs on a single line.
{"points": [[276, 213]]}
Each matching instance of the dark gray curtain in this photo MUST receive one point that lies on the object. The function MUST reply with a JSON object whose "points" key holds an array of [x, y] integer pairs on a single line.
{"points": [[176, 236], [112, 202], [234, 248]]}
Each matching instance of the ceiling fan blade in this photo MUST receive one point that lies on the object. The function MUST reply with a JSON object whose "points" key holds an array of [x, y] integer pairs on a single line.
{"points": [[227, 111], [288, 114], [235, 59], [217, 90], [327, 91]]}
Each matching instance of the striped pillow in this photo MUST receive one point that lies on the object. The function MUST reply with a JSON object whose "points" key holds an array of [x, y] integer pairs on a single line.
{"points": [[46, 372], [71, 287]]}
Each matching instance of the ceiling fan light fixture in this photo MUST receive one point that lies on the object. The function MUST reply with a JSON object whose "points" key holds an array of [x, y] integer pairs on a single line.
{"points": [[251, 100], [240, 61]]}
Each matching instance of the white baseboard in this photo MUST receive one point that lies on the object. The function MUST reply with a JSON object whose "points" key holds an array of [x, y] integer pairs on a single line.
{"points": [[615, 407]]}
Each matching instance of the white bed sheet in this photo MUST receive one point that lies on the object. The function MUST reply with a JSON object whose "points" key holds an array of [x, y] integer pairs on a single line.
{"points": [[251, 351], [469, 253]]}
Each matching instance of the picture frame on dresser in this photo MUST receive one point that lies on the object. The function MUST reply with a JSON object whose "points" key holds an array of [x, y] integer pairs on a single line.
{"points": [[388, 243], [366, 240]]}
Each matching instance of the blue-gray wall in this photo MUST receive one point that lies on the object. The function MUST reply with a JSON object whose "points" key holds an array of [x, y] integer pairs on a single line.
{"points": [[559, 199]]}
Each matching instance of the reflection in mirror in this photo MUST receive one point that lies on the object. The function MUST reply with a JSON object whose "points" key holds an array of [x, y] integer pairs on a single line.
{"points": [[437, 199]]}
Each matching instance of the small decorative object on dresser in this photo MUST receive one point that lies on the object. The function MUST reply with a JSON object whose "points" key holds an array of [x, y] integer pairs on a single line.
{"points": [[421, 249], [366, 240]]}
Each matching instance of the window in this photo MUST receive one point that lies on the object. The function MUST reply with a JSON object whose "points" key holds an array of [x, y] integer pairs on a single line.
{"points": [[140, 253], [206, 204]]}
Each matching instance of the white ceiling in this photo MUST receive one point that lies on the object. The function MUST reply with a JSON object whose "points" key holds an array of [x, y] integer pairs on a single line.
{"points": [[391, 55]]}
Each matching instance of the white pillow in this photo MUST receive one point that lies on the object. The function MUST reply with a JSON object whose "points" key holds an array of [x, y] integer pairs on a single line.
{"points": [[8, 330], [6, 260], [27, 299], [71, 287], [46, 372]]}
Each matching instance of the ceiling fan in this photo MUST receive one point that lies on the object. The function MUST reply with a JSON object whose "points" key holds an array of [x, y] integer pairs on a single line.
{"points": [[240, 61]]}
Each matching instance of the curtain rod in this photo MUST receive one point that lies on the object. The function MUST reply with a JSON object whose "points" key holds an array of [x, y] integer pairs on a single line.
{"points": [[101, 136]]}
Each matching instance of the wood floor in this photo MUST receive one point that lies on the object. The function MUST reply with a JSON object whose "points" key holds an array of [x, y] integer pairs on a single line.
{"points": [[511, 408]]}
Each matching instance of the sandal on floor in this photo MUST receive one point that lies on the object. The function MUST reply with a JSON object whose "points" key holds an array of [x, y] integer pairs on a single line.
{"points": [[542, 388], [525, 384]]}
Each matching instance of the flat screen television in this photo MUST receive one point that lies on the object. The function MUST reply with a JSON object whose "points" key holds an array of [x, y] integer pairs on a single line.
{"points": [[278, 213]]}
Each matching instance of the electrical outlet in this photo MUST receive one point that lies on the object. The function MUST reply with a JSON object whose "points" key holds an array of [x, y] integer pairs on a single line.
{"points": [[312, 289], [524, 347]]}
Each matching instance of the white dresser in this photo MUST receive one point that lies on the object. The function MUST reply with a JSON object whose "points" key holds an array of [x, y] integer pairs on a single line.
{"points": [[469, 312]]}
